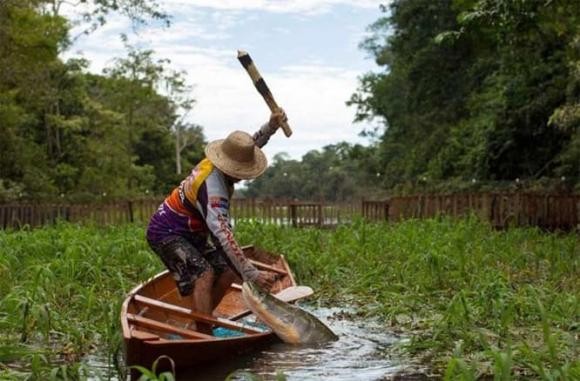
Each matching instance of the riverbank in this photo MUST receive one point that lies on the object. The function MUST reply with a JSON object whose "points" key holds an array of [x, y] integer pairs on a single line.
{"points": [[473, 301]]}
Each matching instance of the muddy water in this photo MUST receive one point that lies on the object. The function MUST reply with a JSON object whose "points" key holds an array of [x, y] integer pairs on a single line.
{"points": [[359, 354]]}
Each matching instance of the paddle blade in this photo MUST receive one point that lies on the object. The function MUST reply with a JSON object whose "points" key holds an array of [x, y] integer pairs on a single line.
{"points": [[294, 293]]}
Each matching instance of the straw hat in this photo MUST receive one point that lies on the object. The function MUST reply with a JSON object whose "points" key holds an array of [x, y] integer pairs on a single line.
{"points": [[237, 156]]}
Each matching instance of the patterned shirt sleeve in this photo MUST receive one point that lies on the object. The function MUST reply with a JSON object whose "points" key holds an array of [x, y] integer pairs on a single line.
{"points": [[262, 136], [218, 222]]}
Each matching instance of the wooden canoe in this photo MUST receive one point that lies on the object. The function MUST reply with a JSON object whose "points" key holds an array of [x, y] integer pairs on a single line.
{"points": [[157, 321]]}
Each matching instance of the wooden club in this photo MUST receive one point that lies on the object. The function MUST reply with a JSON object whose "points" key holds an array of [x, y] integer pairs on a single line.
{"points": [[261, 86]]}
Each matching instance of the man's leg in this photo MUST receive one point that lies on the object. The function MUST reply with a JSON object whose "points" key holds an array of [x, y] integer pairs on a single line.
{"points": [[224, 271], [194, 276], [202, 297], [222, 284], [202, 292]]}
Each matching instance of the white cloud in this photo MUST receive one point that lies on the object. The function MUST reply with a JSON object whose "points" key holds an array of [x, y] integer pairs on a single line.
{"points": [[278, 6], [313, 97], [312, 92]]}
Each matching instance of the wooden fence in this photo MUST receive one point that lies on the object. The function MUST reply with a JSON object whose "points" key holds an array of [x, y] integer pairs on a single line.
{"points": [[33, 214], [281, 212], [294, 213], [549, 211]]}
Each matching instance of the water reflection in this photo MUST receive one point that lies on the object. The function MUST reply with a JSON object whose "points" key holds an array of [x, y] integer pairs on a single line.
{"points": [[100, 368]]}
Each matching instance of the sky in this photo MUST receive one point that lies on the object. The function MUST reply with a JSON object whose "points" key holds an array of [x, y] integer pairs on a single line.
{"points": [[306, 50]]}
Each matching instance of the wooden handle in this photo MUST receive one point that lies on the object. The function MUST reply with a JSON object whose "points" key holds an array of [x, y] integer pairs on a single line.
{"points": [[261, 86]]}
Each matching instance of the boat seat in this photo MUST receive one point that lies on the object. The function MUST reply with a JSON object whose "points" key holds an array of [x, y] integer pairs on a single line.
{"points": [[196, 316], [167, 328]]}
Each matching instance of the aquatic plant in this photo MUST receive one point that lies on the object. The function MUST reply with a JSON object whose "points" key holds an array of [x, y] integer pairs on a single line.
{"points": [[473, 301], [151, 374], [61, 290], [509, 298]]}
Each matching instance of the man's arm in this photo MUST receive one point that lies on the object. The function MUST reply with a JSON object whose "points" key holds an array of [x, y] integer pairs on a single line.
{"points": [[262, 136], [218, 221]]}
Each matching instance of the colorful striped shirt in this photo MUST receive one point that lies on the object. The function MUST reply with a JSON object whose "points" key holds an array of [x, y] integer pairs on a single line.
{"points": [[199, 207]]}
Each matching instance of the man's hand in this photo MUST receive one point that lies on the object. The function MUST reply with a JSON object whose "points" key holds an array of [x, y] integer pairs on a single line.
{"points": [[266, 280], [277, 118]]}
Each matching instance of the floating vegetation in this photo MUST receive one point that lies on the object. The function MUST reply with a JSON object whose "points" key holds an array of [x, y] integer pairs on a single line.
{"points": [[61, 289], [471, 301]]}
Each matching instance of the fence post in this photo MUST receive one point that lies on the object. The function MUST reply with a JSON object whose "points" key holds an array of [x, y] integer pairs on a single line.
{"points": [[130, 210], [293, 214]]}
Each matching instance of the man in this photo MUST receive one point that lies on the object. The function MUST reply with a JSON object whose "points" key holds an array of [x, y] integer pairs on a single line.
{"points": [[198, 209]]}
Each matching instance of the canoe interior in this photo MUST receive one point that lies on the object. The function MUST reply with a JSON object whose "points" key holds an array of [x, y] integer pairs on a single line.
{"points": [[156, 320]]}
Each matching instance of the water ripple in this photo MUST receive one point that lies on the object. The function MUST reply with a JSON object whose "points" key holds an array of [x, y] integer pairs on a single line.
{"points": [[355, 356]]}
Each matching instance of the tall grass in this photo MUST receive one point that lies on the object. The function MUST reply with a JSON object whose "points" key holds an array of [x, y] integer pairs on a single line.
{"points": [[60, 294], [473, 301]]}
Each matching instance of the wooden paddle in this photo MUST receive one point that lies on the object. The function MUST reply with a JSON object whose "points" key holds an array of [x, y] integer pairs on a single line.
{"points": [[294, 293]]}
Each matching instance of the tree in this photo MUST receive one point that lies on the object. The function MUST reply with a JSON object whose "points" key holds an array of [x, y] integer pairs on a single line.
{"points": [[336, 173], [134, 88], [29, 46], [66, 132], [469, 88], [188, 137], [422, 90], [94, 13]]}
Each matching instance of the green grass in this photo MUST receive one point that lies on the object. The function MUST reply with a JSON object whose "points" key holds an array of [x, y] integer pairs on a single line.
{"points": [[60, 294], [472, 300]]}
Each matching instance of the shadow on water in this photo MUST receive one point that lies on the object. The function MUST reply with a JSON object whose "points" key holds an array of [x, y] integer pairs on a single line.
{"points": [[359, 354]]}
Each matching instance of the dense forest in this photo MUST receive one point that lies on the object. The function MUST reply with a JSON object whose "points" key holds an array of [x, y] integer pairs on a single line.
{"points": [[67, 133], [470, 94], [473, 94]]}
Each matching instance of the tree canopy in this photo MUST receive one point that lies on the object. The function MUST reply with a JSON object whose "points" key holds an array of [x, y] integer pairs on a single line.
{"points": [[470, 92], [484, 90], [337, 172], [69, 133], [467, 92]]}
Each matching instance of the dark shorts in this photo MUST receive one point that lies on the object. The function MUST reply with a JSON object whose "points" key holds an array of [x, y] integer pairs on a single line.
{"points": [[186, 262]]}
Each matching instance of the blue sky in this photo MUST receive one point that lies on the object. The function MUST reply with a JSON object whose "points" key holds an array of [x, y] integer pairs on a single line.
{"points": [[306, 50]]}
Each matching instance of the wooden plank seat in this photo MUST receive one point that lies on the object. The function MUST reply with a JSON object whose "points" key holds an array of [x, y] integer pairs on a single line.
{"points": [[264, 266], [167, 328], [196, 316], [143, 335]]}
